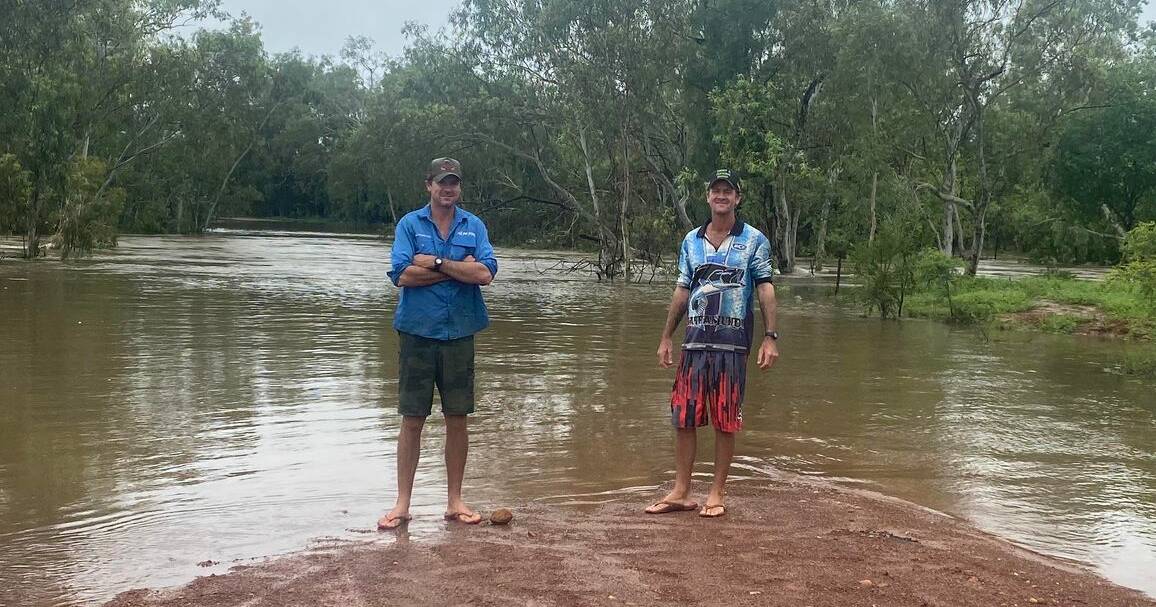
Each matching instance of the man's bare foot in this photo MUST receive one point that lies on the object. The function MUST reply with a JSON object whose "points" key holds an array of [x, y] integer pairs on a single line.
{"points": [[714, 508], [393, 519], [673, 502], [712, 511], [458, 512], [469, 518]]}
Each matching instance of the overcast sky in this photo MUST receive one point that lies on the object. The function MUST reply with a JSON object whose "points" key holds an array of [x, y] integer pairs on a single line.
{"points": [[320, 27]]}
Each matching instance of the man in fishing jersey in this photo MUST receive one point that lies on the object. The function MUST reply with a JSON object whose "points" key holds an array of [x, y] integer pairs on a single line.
{"points": [[722, 266]]}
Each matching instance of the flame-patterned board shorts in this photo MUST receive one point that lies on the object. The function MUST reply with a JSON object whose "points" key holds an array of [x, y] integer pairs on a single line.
{"points": [[709, 383]]}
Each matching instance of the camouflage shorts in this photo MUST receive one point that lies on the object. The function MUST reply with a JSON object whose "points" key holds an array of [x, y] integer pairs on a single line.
{"points": [[427, 362]]}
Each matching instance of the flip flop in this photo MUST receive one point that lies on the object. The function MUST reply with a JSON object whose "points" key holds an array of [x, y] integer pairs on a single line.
{"points": [[706, 510], [463, 517], [387, 522], [665, 507]]}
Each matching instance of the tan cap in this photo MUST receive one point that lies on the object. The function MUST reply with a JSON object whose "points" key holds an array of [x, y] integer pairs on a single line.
{"points": [[441, 168]]}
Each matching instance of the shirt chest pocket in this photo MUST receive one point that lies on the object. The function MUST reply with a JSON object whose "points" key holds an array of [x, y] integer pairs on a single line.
{"points": [[424, 244], [462, 244]]}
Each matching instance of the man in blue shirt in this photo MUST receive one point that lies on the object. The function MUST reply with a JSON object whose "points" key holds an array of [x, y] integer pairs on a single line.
{"points": [[441, 257], [722, 265]]}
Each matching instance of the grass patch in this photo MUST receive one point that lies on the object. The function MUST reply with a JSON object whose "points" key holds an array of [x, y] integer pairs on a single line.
{"points": [[1118, 308], [1061, 323], [1141, 363]]}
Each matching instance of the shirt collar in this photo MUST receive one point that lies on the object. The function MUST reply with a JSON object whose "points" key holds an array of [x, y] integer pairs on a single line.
{"points": [[735, 229], [458, 215]]}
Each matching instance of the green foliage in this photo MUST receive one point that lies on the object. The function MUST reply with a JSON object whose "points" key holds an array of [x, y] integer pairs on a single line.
{"points": [[1139, 361], [886, 268], [658, 237], [1106, 157], [90, 210], [937, 272], [977, 300], [592, 125], [15, 190], [1061, 323], [1139, 268], [1140, 244]]}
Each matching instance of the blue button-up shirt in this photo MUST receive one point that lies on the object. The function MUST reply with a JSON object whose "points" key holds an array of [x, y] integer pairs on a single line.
{"points": [[448, 309]]}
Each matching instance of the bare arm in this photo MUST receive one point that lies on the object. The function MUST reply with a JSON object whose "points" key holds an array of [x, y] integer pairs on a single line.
{"points": [[769, 350], [467, 271], [678, 302], [420, 276]]}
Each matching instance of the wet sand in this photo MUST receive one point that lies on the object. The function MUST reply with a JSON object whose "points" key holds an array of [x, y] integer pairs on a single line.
{"points": [[793, 543]]}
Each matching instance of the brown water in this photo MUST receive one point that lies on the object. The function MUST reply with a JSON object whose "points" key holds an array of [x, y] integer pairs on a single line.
{"points": [[222, 398]]}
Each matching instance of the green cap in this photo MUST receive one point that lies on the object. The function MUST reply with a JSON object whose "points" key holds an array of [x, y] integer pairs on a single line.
{"points": [[726, 175], [441, 168]]}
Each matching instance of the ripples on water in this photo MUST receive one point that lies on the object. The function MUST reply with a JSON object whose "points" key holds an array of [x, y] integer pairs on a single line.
{"points": [[181, 400]]}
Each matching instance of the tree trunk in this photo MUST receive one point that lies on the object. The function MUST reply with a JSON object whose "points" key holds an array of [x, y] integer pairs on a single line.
{"points": [[824, 214], [678, 199], [794, 236], [31, 231], [979, 230], [950, 188], [31, 240], [958, 229], [607, 240], [874, 221], [949, 210], [784, 230], [202, 224], [623, 226], [979, 210]]}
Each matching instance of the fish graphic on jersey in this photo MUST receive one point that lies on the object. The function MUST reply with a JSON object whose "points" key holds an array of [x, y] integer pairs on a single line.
{"points": [[710, 280]]}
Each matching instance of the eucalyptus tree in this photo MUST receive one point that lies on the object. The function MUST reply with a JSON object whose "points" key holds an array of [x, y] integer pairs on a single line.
{"points": [[596, 107], [964, 56], [69, 73], [1105, 163]]}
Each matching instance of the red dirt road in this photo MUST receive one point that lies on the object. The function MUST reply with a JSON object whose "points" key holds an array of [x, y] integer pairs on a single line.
{"points": [[790, 544]]}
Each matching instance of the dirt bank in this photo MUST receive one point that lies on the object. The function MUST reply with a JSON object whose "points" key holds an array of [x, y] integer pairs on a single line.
{"points": [[790, 544], [1073, 319]]}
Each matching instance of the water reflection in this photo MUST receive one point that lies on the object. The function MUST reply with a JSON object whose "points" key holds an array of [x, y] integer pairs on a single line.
{"points": [[182, 400]]}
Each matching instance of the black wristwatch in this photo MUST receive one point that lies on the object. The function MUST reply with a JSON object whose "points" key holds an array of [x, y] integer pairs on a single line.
{"points": [[438, 264], [772, 334]]}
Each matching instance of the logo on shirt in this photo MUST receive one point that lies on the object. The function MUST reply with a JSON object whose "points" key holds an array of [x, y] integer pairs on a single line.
{"points": [[708, 283], [464, 233]]}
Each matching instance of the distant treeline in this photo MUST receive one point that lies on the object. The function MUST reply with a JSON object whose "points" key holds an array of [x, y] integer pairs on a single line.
{"points": [[962, 125]]}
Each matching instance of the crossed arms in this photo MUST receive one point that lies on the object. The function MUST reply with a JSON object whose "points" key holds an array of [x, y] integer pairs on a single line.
{"points": [[421, 272]]}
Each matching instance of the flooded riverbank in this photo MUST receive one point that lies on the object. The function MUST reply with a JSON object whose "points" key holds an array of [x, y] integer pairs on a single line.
{"points": [[181, 400]]}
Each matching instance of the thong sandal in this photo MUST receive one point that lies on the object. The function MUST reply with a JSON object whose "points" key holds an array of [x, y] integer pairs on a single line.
{"points": [[463, 517], [387, 522], [707, 509], [665, 507]]}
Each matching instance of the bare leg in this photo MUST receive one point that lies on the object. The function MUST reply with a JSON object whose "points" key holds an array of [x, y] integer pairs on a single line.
{"points": [[408, 454], [685, 442], [724, 452], [457, 448]]}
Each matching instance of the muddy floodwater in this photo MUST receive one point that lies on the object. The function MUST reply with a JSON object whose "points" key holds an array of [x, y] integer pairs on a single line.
{"points": [[179, 405]]}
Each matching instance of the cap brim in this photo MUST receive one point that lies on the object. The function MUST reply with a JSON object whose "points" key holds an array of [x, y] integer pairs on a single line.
{"points": [[718, 179], [440, 176]]}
